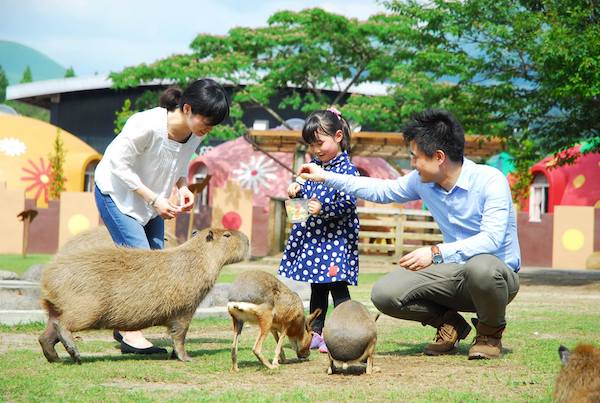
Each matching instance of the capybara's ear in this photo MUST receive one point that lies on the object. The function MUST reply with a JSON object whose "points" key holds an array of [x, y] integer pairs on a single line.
{"points": [[210, 236], [563, 353], [311, 318]]}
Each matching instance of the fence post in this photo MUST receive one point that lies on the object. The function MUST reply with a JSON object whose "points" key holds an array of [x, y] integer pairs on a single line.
{"points": [[400, 219]]}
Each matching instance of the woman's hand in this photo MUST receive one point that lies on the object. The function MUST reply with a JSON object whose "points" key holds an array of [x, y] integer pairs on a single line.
{"points": [[165, 208], [314, 206], [186, 198], [293, 189]]}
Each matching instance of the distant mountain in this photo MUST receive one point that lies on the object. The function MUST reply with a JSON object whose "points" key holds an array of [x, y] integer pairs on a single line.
{"points": [[14, 58]]}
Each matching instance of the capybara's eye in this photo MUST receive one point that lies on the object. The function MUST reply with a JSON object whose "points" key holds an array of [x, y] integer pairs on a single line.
{"points": [[226, 234]]}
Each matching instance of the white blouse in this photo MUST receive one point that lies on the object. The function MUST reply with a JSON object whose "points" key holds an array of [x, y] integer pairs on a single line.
{"points": [[143, 154]]}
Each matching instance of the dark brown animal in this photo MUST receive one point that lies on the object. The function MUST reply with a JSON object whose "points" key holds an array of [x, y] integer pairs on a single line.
{"points": [[350, 335], [579, 377], [259, 297], [132, 289]]}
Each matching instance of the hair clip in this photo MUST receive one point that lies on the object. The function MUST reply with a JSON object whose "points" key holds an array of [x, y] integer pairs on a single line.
{"points": [[337, 113]]}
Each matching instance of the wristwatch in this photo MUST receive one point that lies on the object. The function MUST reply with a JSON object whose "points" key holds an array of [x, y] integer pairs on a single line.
{"points": [[436, 255]]}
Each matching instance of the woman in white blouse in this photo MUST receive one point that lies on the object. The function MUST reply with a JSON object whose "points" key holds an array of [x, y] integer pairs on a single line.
{"points": [[146, 164]]}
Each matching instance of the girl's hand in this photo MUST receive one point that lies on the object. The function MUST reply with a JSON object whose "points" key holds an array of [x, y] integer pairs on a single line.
{"points": [[165, 208], [186, 198], [314, 206], [293, 189]]}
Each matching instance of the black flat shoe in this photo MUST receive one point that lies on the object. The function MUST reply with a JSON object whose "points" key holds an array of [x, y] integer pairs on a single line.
{"points": [[117, 336], [127, 349]]}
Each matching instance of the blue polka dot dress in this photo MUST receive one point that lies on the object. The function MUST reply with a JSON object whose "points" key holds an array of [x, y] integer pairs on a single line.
{"points": [[324, 249]]}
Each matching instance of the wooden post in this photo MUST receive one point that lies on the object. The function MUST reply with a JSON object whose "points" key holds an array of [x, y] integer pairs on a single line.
{"points": [[27, 217], [400, 219], [196, 188]]}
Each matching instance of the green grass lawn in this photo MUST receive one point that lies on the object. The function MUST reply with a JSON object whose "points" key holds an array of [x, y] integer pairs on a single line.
{"points": [[19, 264], [540, 319]]}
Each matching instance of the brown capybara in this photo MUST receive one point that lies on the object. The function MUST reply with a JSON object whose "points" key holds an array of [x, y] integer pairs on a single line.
{"points": [[132, 289], [579, 377], [259, 297], [350, 335]]}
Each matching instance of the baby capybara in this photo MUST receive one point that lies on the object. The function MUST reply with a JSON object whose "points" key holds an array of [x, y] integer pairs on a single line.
{"points": [[350, 335], [259, 297], [579, 377], [132, 289]]}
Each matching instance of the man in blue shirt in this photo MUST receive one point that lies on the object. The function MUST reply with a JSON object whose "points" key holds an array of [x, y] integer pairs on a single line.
{"points": [[475, 268]]}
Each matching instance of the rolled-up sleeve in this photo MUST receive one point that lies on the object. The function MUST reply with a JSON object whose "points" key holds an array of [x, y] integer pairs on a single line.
{"points": [[494, 225], [129, 145]]}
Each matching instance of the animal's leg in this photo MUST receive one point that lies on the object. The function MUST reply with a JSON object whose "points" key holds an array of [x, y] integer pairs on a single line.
{"points": [[279, 354], [178, 329], [48, 340], [369, 351], [237, 330], [66, 338], [331, 369], [264, 324]]}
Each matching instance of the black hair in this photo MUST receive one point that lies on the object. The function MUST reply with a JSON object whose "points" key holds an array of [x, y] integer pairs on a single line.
{"points": [[206, 97], [328, 123], [435, 129]]}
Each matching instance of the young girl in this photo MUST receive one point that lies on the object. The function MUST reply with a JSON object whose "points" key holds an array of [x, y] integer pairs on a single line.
{"points": [[145, 164], [323, 251]]}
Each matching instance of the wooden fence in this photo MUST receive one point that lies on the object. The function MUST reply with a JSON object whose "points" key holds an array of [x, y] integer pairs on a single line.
{"points": [[392, 232]]}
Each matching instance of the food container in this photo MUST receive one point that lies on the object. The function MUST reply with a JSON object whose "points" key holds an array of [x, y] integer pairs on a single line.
{"points": [[297, 210]]}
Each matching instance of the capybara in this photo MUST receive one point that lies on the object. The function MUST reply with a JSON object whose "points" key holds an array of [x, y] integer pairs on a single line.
{"points": [[350, 335], [259, 297], [132, 289], [579, 377]]}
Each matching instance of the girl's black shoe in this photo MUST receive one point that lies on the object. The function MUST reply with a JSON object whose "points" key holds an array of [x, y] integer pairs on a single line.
{"points": [[117, 336]]}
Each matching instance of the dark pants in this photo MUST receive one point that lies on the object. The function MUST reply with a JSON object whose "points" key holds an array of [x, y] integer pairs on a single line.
{"points": [[484, 284], [319, 298]]}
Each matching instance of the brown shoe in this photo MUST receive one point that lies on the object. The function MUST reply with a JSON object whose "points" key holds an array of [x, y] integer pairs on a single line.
{"points": [[454, 328], [487, 343]]}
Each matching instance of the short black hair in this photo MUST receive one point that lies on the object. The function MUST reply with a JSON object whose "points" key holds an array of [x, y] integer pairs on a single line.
{"points": [[435, 129], [207, 98]]}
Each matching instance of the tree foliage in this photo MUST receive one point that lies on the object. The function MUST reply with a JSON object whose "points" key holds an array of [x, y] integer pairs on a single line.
{"points": [[69, 72], [528, 70], [27, 76], [3, 85], [57, 171]]}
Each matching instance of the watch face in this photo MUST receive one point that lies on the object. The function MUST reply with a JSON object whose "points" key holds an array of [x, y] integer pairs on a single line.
{"points": [[437, 258]]}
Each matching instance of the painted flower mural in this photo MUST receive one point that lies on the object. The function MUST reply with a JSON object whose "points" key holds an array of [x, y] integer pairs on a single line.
{"points": [[258, 173], [39, 179]]}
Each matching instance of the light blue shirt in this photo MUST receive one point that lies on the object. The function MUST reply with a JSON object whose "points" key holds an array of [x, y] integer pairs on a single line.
{"points": [[476, 216]]}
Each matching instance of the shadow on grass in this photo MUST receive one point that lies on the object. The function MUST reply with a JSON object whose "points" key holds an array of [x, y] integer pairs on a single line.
{"points": [[552, 277], [406, 349]]}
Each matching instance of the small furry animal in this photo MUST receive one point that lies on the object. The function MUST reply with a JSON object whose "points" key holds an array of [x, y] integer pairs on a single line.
{"points": [[579, 377]]}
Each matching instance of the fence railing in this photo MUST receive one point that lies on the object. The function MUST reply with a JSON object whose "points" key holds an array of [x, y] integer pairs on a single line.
{"points": [[392, 232]]}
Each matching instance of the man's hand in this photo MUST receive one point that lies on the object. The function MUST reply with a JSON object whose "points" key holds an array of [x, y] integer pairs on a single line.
{"points": [[293, 189], [312, 172], [314, 206], [416, 260]]}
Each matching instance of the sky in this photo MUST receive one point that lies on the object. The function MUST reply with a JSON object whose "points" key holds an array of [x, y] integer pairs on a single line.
{"points": [[98, 36]]}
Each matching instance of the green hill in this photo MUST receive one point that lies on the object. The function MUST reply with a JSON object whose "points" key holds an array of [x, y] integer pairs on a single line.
{"points": [[14, 58]]}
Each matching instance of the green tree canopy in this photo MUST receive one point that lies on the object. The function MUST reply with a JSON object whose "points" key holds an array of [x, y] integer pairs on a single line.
{"points": [[69, 72], [3, 85], [27, 76]]}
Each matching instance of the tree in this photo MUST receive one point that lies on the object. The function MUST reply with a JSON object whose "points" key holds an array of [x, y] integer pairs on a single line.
{"points": [[3, 85], [27, 76], [533, 65], [304, 52], [57, 161], [69, 72]]}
